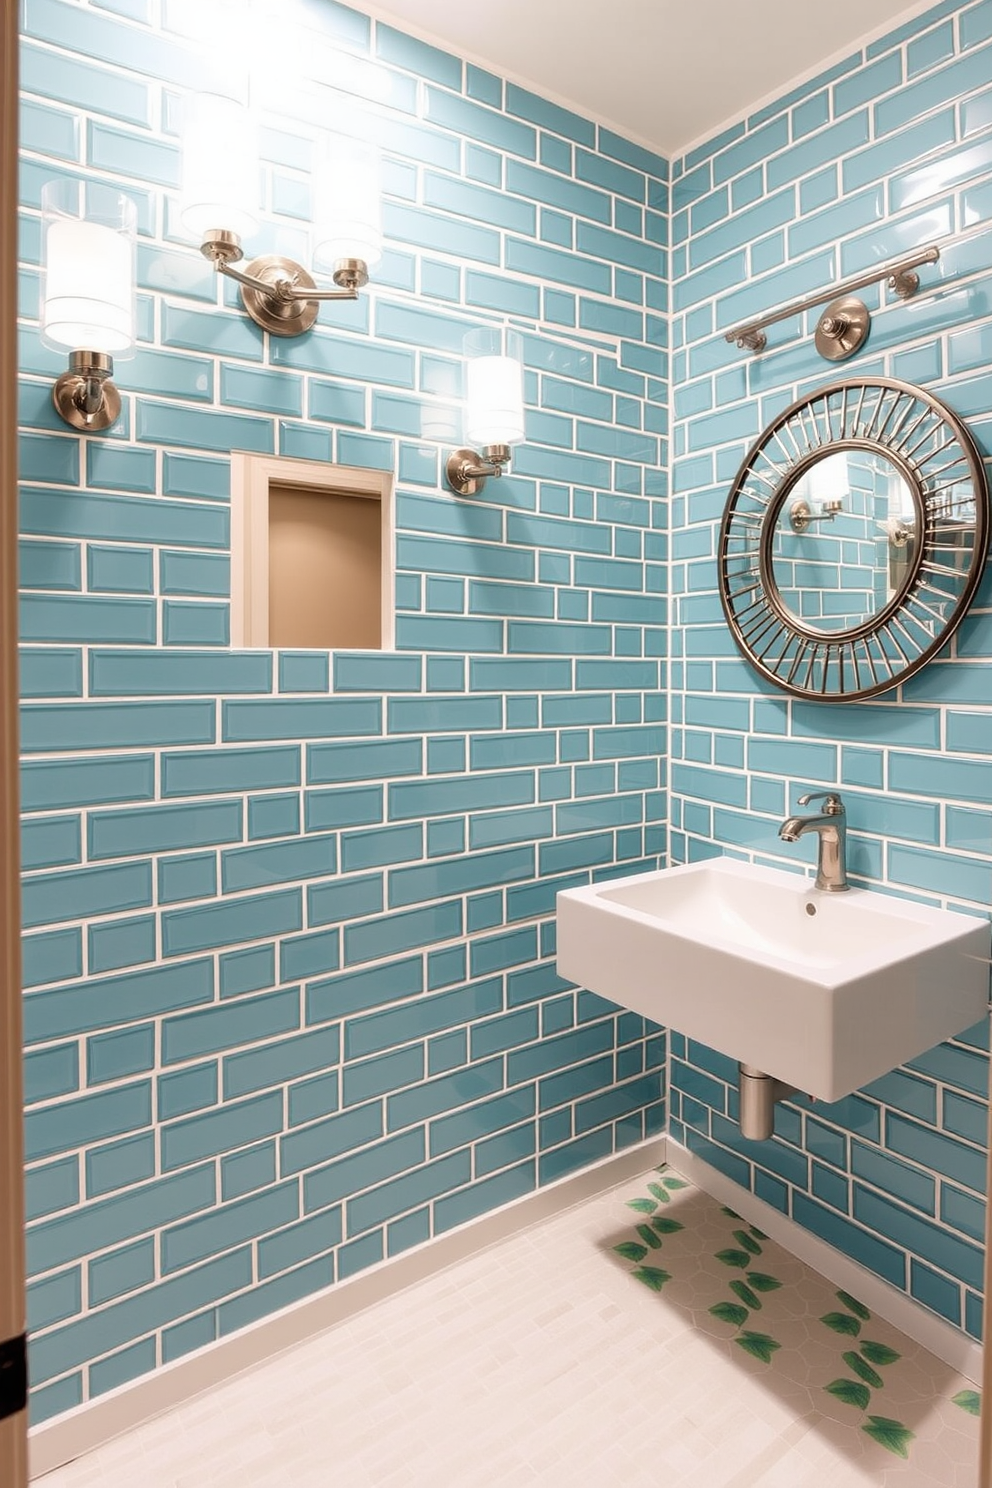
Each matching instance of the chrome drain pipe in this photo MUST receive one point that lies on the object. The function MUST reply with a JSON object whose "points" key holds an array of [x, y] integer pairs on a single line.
{"points": [[758, 1094]]}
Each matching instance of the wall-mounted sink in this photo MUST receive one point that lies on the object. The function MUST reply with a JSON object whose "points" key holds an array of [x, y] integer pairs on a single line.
{"points": [[823, 991]]}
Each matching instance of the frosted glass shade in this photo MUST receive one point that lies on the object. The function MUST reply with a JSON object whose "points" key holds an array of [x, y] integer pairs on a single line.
{"points": [[88, 297], [828, 479], [220, 166], [494, 387], [347, 203]]}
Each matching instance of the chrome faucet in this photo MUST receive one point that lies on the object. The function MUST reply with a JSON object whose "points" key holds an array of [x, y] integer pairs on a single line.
{"points": [[831, 825]]}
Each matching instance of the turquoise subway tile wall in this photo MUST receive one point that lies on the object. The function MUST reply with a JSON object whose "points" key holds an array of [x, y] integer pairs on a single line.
{"points": [[888, 151], [291, 993], [291, 996]]}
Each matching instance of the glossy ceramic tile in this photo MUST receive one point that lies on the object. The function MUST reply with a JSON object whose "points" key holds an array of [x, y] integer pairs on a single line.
{"points": [[820, 183], [522, 749]]}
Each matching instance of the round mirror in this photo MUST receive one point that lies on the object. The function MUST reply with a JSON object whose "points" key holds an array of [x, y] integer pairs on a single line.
{"points": [[853, 539]]}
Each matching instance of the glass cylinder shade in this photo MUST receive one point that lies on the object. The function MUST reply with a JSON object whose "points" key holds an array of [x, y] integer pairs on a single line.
{"points": [[347, 205], [220, 166], [88, 236], [829, 480], [494, 386]]}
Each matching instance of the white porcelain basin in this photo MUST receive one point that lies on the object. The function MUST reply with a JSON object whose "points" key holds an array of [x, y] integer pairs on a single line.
{"points": [[825, 991]]}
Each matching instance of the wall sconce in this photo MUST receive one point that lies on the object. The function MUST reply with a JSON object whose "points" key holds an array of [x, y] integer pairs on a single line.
{"points": [[88, 236], [802, 515], [846, 322], [494, 417], [220, 193]]}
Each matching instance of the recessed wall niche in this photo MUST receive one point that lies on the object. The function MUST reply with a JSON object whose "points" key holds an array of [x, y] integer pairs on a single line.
{"points": [[311, 555]]}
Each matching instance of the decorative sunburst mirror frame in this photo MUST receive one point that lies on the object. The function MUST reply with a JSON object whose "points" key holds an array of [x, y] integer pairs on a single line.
{"points": [[930, 448]]}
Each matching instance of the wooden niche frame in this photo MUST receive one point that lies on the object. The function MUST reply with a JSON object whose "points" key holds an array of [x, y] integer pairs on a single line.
{"points": [[252, 477]]}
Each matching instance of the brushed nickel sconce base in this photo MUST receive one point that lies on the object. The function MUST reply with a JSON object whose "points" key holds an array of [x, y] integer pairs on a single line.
{"points": [[277, 292], [280, 312], [459, 470], [84, 396], [467, 471], [752, 341], [800, 515], [842, 328], [905, 283]]}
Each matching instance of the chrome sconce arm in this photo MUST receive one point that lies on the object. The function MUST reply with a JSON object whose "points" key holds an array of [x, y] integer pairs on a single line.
{"points": [[802, 515], [467, 470], [219, 206], [278, 293], [84, 396]]}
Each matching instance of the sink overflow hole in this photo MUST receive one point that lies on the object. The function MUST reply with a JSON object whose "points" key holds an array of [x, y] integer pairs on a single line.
{"points": [[811, 909]]}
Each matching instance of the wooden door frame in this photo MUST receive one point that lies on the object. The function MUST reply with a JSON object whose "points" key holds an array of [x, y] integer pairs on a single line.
{"points": [[985, 1446], [13, 1429]]}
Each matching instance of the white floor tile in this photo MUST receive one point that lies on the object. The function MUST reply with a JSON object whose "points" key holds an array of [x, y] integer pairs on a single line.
{"points": [[548, 1360]]}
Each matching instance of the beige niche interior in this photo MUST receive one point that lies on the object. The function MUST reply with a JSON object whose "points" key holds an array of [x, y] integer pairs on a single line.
{"points": [[311, 555]]}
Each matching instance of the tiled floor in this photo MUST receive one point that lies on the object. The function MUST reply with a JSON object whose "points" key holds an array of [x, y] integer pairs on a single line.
{"points": [[647, 1337]]}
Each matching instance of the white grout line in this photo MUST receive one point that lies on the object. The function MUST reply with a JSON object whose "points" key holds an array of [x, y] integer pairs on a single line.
{"points": [[89, 1426]]}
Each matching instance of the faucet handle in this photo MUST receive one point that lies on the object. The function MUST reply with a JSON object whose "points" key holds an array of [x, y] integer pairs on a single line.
{"points": [[832, 803]]}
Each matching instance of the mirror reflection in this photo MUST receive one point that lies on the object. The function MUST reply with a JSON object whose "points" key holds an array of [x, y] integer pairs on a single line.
{"points": [[845, 540]]}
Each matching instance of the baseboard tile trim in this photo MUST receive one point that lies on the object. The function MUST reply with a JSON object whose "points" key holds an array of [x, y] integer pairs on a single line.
{"points": [[90, 1426], [947, 1342]]}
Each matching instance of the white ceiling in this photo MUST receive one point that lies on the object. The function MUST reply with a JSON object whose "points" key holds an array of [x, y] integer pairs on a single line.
{"points": [[665, 72]]}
